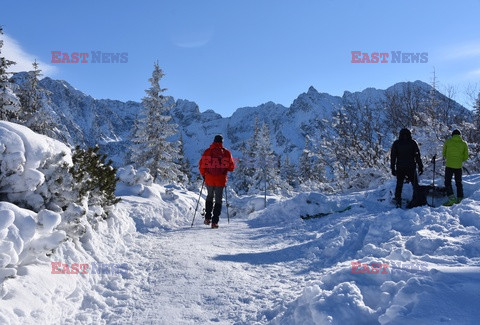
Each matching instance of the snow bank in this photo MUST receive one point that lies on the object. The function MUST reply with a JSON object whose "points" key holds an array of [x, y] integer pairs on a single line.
{"points": [[30, 290], [287, 213], [23, 239], [25, 158], [153, 206], [24, 235], [33, 293], [379, 265]]}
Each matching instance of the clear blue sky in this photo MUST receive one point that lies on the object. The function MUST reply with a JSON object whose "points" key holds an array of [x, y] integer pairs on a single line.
{"points": [[226, 54]]}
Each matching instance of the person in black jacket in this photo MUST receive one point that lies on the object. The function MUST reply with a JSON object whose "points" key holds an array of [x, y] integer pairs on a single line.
{"points": [[405, 155]]}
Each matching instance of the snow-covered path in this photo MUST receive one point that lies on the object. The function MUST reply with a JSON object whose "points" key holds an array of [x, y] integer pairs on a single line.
{"points": [[270, 266], [200, 276]]}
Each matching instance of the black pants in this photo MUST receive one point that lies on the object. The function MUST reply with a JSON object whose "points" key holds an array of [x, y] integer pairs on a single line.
{"points": [[449, 172], [217, 193], [411, 173]]}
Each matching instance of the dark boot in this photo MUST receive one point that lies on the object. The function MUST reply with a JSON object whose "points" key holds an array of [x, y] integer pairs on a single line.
{"points": [[208, 212], [217, 209], [398, 202]]}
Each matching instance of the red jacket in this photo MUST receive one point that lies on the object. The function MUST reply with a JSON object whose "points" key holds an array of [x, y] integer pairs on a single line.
{"points": [[213, 170]]}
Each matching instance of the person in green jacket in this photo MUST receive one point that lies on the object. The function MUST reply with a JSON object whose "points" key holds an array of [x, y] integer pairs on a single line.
{"points": [[455, 151]]}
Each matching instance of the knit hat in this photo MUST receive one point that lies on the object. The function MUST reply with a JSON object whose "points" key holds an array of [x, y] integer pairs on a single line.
{"points": [[218, 138], [405, 134], [456, 132]]}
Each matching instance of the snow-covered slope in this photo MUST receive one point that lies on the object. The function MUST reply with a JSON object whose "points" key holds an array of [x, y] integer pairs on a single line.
{"points": [[48, 274], [377, 265]]}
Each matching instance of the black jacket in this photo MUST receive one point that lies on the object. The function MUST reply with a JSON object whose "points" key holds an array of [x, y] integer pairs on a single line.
{"points": [[405, 152]]}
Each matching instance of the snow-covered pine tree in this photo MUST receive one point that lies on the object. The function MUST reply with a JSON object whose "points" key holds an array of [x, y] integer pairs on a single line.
{"points": [[305, 171], [288, 172], [252, 145], [185, 175], [475, 137], [58, 189], [432, 107], [95, 178], [35, 112], [9, 102], [151, 146], [312, 163], [476, 116], [341, 144], [266, 172], [248, 161], [246, 169], [241, 178], [435, 116], [258, 163], [318, 167], [30, 97]]}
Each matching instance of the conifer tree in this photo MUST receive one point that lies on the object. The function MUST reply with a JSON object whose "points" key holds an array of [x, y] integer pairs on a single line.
{"points": [[151, 146], [476, 112], [35, 112], [95, 179], [266, 173], [241, 179], [252, 145], [9, 102], [258, 169], [475, 145], [185, 175], [433, 105], [305, 170], [288, 172], [318, 168], [435, 118], [30, 97], [246, 167]]}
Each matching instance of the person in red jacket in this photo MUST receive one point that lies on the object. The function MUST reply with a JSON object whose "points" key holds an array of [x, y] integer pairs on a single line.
{"points": [[214, 165]]}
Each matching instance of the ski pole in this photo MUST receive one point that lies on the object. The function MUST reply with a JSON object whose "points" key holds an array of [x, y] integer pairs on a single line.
{"points": [[434, 160], [226, 203], [194, 214]]}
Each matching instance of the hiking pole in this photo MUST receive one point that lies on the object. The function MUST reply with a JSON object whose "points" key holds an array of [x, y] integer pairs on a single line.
{"points": [[434, 160], [194, 214], [226, 203]]}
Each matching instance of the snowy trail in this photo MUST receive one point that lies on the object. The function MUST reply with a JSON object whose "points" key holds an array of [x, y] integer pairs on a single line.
{"points": [[199, 275]]}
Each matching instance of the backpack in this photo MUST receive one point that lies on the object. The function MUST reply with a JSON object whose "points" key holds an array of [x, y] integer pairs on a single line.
{"points": [[218, 165], [419, 197]]}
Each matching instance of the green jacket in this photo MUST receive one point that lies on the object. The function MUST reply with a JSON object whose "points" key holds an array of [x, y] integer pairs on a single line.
{"points": [[455, 150]]}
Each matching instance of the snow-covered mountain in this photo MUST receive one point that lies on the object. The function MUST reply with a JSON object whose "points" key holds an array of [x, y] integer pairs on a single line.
{"points": [[109, 123]]}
